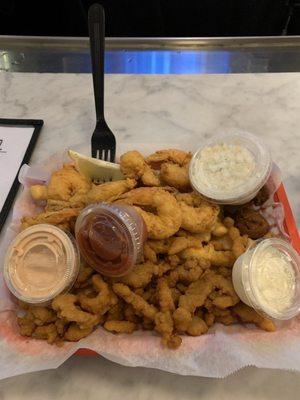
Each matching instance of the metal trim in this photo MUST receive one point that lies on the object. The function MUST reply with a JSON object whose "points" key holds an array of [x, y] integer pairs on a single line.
{"points": [[115, 43]]}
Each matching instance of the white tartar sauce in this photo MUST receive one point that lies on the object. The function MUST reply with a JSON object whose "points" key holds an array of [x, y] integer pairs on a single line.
{"points": [[224, 167], [274, 281]]}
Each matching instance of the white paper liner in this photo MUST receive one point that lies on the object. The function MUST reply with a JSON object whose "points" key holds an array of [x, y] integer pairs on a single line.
{"points": [[219, 353]]}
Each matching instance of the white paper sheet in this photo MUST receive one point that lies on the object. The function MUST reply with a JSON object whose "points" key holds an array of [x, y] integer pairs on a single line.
{"points": [[219, 353]]}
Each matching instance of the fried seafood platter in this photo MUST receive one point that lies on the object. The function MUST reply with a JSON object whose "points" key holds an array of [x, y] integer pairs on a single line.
{"points": [[181, 286]]}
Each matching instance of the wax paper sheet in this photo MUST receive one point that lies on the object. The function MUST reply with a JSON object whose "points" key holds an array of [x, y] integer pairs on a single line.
{"points": [[217, 354]]}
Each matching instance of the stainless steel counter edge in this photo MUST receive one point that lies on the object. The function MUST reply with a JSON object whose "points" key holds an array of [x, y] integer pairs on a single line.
{"points": [[153, 43], [153, 55]]}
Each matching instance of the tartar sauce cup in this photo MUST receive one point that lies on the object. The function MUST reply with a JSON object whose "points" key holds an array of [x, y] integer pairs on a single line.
{"points": [[230, 168], [110, 237], [267, 278], [42, 262]]}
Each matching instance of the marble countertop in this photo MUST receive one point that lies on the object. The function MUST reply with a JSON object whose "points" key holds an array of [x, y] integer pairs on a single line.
{"points": [[158, 109]]}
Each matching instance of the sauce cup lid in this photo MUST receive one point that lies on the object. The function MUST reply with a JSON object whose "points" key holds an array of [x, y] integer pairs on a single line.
{"points": [[242, 193], [110, 237], [251, 279], [41, 262]]}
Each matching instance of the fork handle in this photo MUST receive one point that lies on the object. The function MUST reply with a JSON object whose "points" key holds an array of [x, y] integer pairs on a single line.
{"points": [[96, 19]]}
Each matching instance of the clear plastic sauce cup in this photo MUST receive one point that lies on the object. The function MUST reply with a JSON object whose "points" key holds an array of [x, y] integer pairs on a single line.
{"points": [[41, 262], [110, 237], [267, 278], [230, 168]]}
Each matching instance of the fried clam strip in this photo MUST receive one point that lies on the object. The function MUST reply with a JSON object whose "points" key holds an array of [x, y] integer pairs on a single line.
{"points": [[66, 307], [225, 295], [249, 315], [134, 166], [149, 254], [75, 333], [141, 307], [188, 272], [208, 252], [101, 303], [120, 326], [85, 273], [46, 332], [198, 215], [225, 317], [164, 324], [167, 219], [171, 246], [140, 275], [194, 297], [40, 315]]}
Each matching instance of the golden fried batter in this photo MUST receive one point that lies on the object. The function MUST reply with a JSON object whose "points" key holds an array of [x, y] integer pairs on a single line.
{"points": [[119, 326], [63, 184], [51, 217], [109, 191], [199, 217], [208, 252], [75, 333], [176, 176], [46, 332], [197, 327], [165, 297], [249, 315], [26, 326], [140, 275], [134, 166], [65, 305], [102, 302], [174, 156], [137, 302], [167, 218]]}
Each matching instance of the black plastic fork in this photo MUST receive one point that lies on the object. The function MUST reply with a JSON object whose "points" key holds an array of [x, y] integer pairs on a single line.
{"points": [[103, 140]]}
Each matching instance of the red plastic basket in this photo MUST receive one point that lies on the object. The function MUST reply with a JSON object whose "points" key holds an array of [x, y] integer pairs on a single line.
{"points": [[289, 226]]}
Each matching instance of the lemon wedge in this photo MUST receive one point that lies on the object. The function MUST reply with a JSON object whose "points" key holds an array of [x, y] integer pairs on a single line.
{"points": [[94, 169]]}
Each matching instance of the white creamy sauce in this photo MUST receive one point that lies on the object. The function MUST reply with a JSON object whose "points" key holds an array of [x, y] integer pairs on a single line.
{"points": [[274, 280], [224, 167]]}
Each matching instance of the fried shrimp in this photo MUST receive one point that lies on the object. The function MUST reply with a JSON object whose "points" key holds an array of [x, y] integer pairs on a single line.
{"points": [[51, 217], [176, 176], [174, 156], [198, 215], [167, 219], [134, 166], [109, 191], [63, 184]]}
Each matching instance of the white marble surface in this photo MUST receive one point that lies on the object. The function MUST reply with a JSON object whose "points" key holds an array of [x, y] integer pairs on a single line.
{"points": [[158, 108], [161, 108]]}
